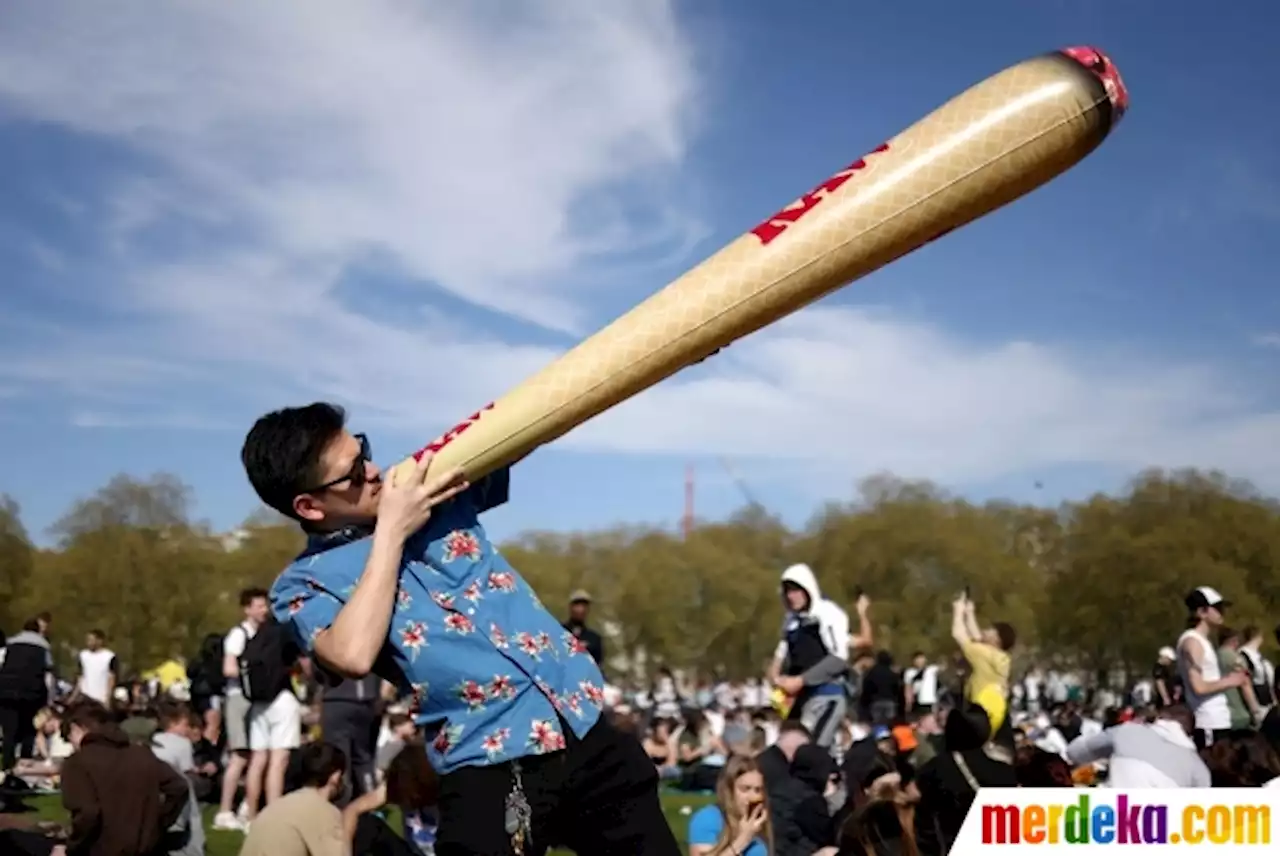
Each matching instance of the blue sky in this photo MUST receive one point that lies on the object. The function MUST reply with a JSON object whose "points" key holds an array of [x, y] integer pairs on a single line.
{"points": [[210, 212]]}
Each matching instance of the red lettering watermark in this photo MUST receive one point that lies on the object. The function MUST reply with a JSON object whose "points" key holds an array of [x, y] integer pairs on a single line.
{"points": [[453, 433], [779, 223]]}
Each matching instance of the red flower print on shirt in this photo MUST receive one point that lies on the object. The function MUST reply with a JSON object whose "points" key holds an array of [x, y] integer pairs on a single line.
{"points": [[573, 644], [545, 689], [447, 738], [543, 737], [472, 592], [461, 544], [413, 637], [497, 637], [501, 687], [594, 694], [443, 599], [574, 703], [503, 581], [495, 741], [473, 694], [459, 623], [529, 644], [545, 643], [403, 600], [295, 605]]}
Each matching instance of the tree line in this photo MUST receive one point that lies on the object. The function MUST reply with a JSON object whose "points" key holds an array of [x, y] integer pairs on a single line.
{"points": [[1096, 584]]}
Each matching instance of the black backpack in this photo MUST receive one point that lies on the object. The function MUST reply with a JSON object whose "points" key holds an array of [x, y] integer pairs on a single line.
{"points": [[266, 662], [1258, 677], [205, 672]]}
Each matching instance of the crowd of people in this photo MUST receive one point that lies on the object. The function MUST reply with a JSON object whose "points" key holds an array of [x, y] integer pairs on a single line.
{"points": [[401, 662], [888, 765]]}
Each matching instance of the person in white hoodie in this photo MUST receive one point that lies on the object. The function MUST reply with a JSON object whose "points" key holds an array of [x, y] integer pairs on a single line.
{"points": [[1159, 755], [811, 661]]}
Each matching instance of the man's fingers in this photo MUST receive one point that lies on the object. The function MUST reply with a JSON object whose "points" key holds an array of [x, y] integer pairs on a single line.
{"points": [[424, 464], [448, 493], [453, 478]]}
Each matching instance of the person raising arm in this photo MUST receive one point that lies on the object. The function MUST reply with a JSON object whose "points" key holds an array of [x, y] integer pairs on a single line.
{"points": [[351, 645]]}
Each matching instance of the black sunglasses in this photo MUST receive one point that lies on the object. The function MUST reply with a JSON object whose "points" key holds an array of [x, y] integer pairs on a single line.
{"points": [[356, 475]]}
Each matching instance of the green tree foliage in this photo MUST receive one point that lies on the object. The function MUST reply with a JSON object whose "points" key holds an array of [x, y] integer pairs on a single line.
{"points": [[1097, 583], [17, 562]]}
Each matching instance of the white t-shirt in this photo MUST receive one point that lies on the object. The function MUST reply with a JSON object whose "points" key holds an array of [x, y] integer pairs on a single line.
{"points": [[924, 683], [96, 669], [233, 645]]}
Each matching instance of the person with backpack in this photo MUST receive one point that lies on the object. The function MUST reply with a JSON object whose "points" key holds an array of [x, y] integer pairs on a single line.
{"points": [[208, 686], [1261, 673], [235, 712], [275, 713]]}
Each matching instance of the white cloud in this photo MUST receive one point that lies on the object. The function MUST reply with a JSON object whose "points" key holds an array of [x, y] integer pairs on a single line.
{"points": [[857, 391], [1267, 340], [469, 142], [501, 154]]}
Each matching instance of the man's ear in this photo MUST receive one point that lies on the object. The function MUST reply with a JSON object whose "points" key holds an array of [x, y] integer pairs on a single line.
{"points": [[307, 507]]}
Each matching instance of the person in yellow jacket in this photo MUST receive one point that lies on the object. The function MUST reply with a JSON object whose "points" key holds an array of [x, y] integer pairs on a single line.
{"points": [[988, 654]]}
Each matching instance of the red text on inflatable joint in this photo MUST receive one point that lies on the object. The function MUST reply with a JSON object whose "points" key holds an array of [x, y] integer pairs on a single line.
{"points": [[778, 223], [452, 434]]}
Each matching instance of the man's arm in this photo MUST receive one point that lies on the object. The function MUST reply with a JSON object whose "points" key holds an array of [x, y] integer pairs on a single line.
{"points": [[111, 677], [175, 793], [350, 644], [959, 629], [865, 637], [1086, 750], [826, 670], [775, 665], [971, 621], [1195, 675], [364, 804], [1251, 700], [1163, 691]]}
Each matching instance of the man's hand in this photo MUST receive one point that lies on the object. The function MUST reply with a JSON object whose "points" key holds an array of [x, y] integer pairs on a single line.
{"points": [[1236, 679], [790, 685], [959, 605], [862, 604], [405, 505]]}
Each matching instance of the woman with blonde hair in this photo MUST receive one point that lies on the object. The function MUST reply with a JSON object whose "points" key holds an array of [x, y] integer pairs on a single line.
{"points": [[737, 823]]}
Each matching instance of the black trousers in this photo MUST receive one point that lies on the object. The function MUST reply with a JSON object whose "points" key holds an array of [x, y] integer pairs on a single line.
{"points": [[17, 721], [352, 726], [597, 797]]}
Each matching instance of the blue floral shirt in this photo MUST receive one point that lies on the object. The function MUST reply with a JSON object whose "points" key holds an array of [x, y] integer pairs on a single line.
{"points": [[492, 675]]}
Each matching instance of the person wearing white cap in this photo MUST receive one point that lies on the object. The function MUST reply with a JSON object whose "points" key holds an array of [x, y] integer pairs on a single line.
{"points": [[1168, 684], [1202, 679]]}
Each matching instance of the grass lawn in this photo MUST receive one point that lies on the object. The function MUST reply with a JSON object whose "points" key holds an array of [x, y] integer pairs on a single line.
{"points": [[677, 807]]}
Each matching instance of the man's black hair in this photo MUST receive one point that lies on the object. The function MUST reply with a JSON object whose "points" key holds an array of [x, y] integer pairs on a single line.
{"points": [[1008, 636], [281, 454], [249, 595], [317, 762]]}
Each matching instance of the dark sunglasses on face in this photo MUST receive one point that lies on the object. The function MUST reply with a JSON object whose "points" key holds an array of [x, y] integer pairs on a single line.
{"points": [[357, 475]]}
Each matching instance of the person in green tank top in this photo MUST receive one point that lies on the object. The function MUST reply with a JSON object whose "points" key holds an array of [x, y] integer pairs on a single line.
{"points": [[1240, 700]]}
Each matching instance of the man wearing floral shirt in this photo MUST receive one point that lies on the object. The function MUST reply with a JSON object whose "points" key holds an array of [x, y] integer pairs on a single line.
{"points": [[400, 580]]}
